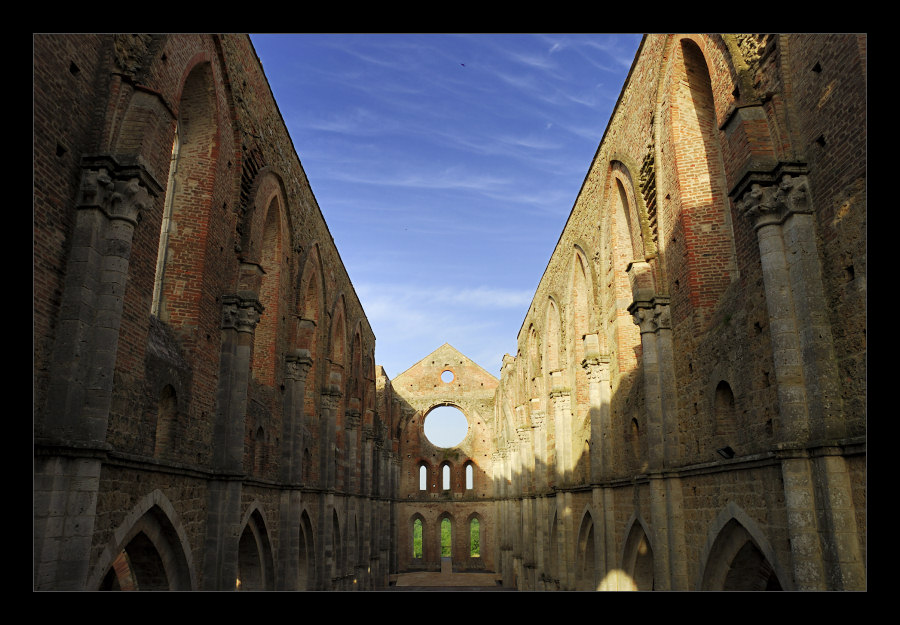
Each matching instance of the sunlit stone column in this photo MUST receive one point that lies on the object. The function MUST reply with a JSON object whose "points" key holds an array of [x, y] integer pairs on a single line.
{"points": [[597, 368], [782, 214]]}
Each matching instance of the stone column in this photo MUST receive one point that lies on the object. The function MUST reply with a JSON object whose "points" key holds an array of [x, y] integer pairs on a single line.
{"points": [[541, 455], [297, 366], [560, 397], [781, 211], [70, 434], [597, 368], [652, 316], [331, 398], [240, 314]]}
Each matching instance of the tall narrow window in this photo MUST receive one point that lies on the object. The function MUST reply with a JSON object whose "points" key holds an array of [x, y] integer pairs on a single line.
{"points": [[470, 477], [475, 539], [445, 473], [417, 539], [423, 478], [164, 230], [446, 539]]}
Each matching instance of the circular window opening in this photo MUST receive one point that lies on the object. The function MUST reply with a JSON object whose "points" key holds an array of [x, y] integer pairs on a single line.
{"points": [[447, 376], [446, 426]]}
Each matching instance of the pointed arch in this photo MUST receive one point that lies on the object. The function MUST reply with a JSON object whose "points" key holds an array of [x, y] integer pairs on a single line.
{"points": [[268, 247], [309, 326], [181, 259], [637, 555], [580, 301], [621, 246], [702, 233], [553, 357], [149, 551], [256, 565], [585, 554], [418, 527], [475, 535], [337, 337], [445, 535], [306, 569], [337, 549], [738, 556]]}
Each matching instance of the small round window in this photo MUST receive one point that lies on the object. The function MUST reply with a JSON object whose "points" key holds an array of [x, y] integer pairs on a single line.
{"points": [[447, 376]]}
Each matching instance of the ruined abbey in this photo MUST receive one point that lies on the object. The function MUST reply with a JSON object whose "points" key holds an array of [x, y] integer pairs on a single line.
{"points": [[686, 409]]}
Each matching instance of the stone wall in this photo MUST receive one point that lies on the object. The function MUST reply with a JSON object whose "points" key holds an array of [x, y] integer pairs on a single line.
{"points": [[204, 373], [704, 313]]}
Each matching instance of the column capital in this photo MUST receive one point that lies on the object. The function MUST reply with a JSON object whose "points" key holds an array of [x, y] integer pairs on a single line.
{"points": [[772, 204], [240, 312], [524, 434], [297, 364], [331, 397], [119, 191], [652, 315], [597, 368], [538, 418]]}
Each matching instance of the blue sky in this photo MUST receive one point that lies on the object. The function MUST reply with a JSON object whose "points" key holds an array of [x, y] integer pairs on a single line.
{"points": [[446, 167]]}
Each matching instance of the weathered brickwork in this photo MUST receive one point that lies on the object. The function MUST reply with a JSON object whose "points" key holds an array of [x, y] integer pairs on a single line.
{"points": [[686, 409], [721, 234], [202, 354]]}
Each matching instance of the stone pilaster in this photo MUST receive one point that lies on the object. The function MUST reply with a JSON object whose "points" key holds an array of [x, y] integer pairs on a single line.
{"points": [[782, 213], [297, 366], [240, 314], [657, 360], [70, 434], [597, 368]]}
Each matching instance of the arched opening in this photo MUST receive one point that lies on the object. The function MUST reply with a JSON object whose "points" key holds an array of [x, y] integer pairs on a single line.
{"points": [[167, 430], [177, 292], [470, 476], [446, 426], [585, 566], [736, 562], [553, 560], [265, 343], [446, 538], [445, 477], [152, 558], [703, 230], [474, 538], [163, 251], [724, 419], [256, 570], [306, 561], [337, 550], [423, 477], [638, 558], [418, 532]]}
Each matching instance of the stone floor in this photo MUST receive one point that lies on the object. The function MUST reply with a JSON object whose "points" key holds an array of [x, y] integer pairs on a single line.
{"points": [[465, 582]]}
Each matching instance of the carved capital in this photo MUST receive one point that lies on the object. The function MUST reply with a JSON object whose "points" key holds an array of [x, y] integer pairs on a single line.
{"points": [[351, 419], [524, 434], [121, 193], [597, 368], [538, 418], [240, 312], [652, 316], [331, 397], [771, 204], [297, 364]]}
